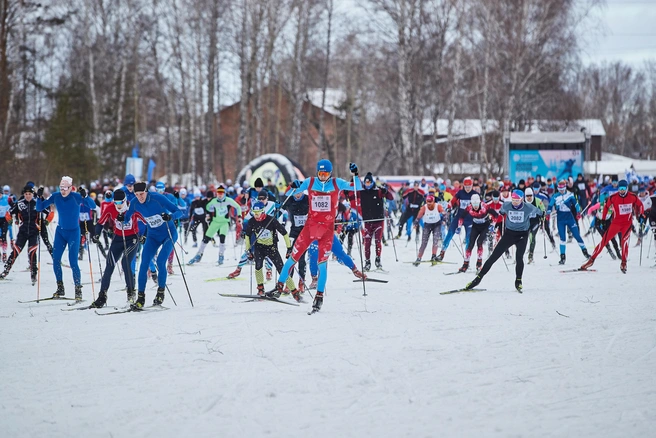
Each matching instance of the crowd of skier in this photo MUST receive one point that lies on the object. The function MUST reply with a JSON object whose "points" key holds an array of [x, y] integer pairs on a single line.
{"points": [[132, 221]]}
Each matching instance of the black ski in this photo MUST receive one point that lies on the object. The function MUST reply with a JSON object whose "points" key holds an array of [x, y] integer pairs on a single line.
{"points": [[455, 291], [578, 270], [75, 303], [47, 299], [259, 297], [453, 273], [134, 309], [373, 280], [313, 311], [224, 279]]}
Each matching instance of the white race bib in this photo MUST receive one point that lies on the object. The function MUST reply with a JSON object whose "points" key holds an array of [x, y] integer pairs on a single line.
{"points": [[464, 203], [4, 209], [581, 186], [516, 217], [299, 220], [199, 211], [154, 221], [626, 209], [431, 216], [221, 209], [321, 203], [124, 225], [414, 206], [265, 235], [84, 217]]}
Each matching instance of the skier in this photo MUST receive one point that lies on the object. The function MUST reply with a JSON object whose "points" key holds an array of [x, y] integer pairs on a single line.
{"points": [[265, 229], [413, 199], [459, 203], [520, 217], [533, 200], [480, 215], [5, 205], [158, 213], [568, 212], [339, 253], [199, 215], [624, 206], [219, 211], [124, 244], [350, 223], [298, 209], [28, 231], [323, 193], [372, 201], [68, 204], [432, 214]]}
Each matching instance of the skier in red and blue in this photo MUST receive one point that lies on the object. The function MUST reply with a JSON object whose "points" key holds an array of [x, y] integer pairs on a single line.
{"points": [[323, 196]]}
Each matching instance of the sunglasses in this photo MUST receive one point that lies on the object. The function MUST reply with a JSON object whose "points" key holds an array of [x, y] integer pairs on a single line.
{"points": [[119, 202], [64, 188], [323, 174]]}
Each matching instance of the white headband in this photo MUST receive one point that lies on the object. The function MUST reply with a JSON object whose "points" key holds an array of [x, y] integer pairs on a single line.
{"points": [[67, 179]]}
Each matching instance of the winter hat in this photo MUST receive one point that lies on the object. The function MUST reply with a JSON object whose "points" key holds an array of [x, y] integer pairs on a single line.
{"points": [[183, 191], [129, 179], [119, 195], [262, 194], [517, 194], [258, 183], [220, 189], [528, 192], [369, 177], [476, 199], [209, 194], [160, 186], [28, 188], [623, 183], [67, 179], [139, 187], [430, 199]]}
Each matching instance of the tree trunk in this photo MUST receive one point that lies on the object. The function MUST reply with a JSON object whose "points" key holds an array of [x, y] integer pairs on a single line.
{"points": [[405, 116], [326, 71]]}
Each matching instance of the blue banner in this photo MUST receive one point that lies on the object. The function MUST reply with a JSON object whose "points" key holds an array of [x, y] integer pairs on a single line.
{"points": [[151, 169], [548, 163]]}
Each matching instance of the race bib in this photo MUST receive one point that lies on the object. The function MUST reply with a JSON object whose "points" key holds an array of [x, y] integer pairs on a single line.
{"points": [[562, 206], [581, 186], [221, 210], [299, 220], [124, 225], [626, 209], [432, 216], [199, 211], [479, 220], [265, 235], [321, 203], [414, 206], [154, 221], [4, 209], [84, 217], [464, 203], [516, 217]]}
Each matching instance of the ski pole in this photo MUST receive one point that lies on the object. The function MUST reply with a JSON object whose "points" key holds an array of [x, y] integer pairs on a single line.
{"points": [[392, 239], [99, 264], [86, 235], [38, 263], [184, 278], [649, 250], [544, 240]]}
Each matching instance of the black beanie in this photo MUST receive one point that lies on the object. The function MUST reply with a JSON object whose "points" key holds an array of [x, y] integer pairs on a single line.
{"points": [[258, 183], [209, 194], [28, 188], [139, 187], [119, 195], [369, 177]]}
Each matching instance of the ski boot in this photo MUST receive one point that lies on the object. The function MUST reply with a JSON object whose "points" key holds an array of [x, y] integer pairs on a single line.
{"points": [[169, 269], [235, 273], [367, 265], [159, 297], [315, 280], [562, 259], [440, 257], [260, 290], [101, 301], [358, 274], [297, 296], [377, 262], [131, 296], [518, 285], [60, 290], [78, 292], [195, 259], [141, 301], [221, 259], [434, 260], [530, 258], [587, 264], [623, 267], [318, 301], [277, 291], [417, 262], [479, 265], [269, 275], [301, 286], [585, 253], [409, 237], [475, 282], [4, 274], [464, 267]]}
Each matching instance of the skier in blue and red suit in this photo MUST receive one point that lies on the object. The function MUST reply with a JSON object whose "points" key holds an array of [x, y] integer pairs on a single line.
{"points": [[459, 203]]}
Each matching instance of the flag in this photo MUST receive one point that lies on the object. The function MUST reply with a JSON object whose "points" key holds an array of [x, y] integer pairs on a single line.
{"points": [[151, 169], [135, 151]]}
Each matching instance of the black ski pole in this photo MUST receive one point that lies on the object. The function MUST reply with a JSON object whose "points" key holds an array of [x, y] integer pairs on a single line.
{"points": [[184, 278]]}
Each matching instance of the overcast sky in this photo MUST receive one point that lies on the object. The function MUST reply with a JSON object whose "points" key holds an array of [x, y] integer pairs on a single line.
{"points": [[630, 32]]}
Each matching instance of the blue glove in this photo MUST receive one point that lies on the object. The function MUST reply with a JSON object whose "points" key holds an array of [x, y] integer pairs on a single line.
{"points": [[458, 230], [296, 184], [353, 168]]}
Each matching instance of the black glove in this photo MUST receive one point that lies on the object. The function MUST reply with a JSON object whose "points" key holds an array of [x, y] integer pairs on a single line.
{"points": [[296, 184], [82, 192], [353, 168], [176, 194], [95, 239], [142, 239], [39, 192], [120, 217], [289, 252], [250, 255], [166, 217]]}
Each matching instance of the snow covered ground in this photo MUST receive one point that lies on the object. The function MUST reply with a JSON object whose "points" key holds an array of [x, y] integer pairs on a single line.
{"points": [[575, 355]]}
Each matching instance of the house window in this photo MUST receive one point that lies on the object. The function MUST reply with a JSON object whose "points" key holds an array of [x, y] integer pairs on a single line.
{"points": [[473, 156]]}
